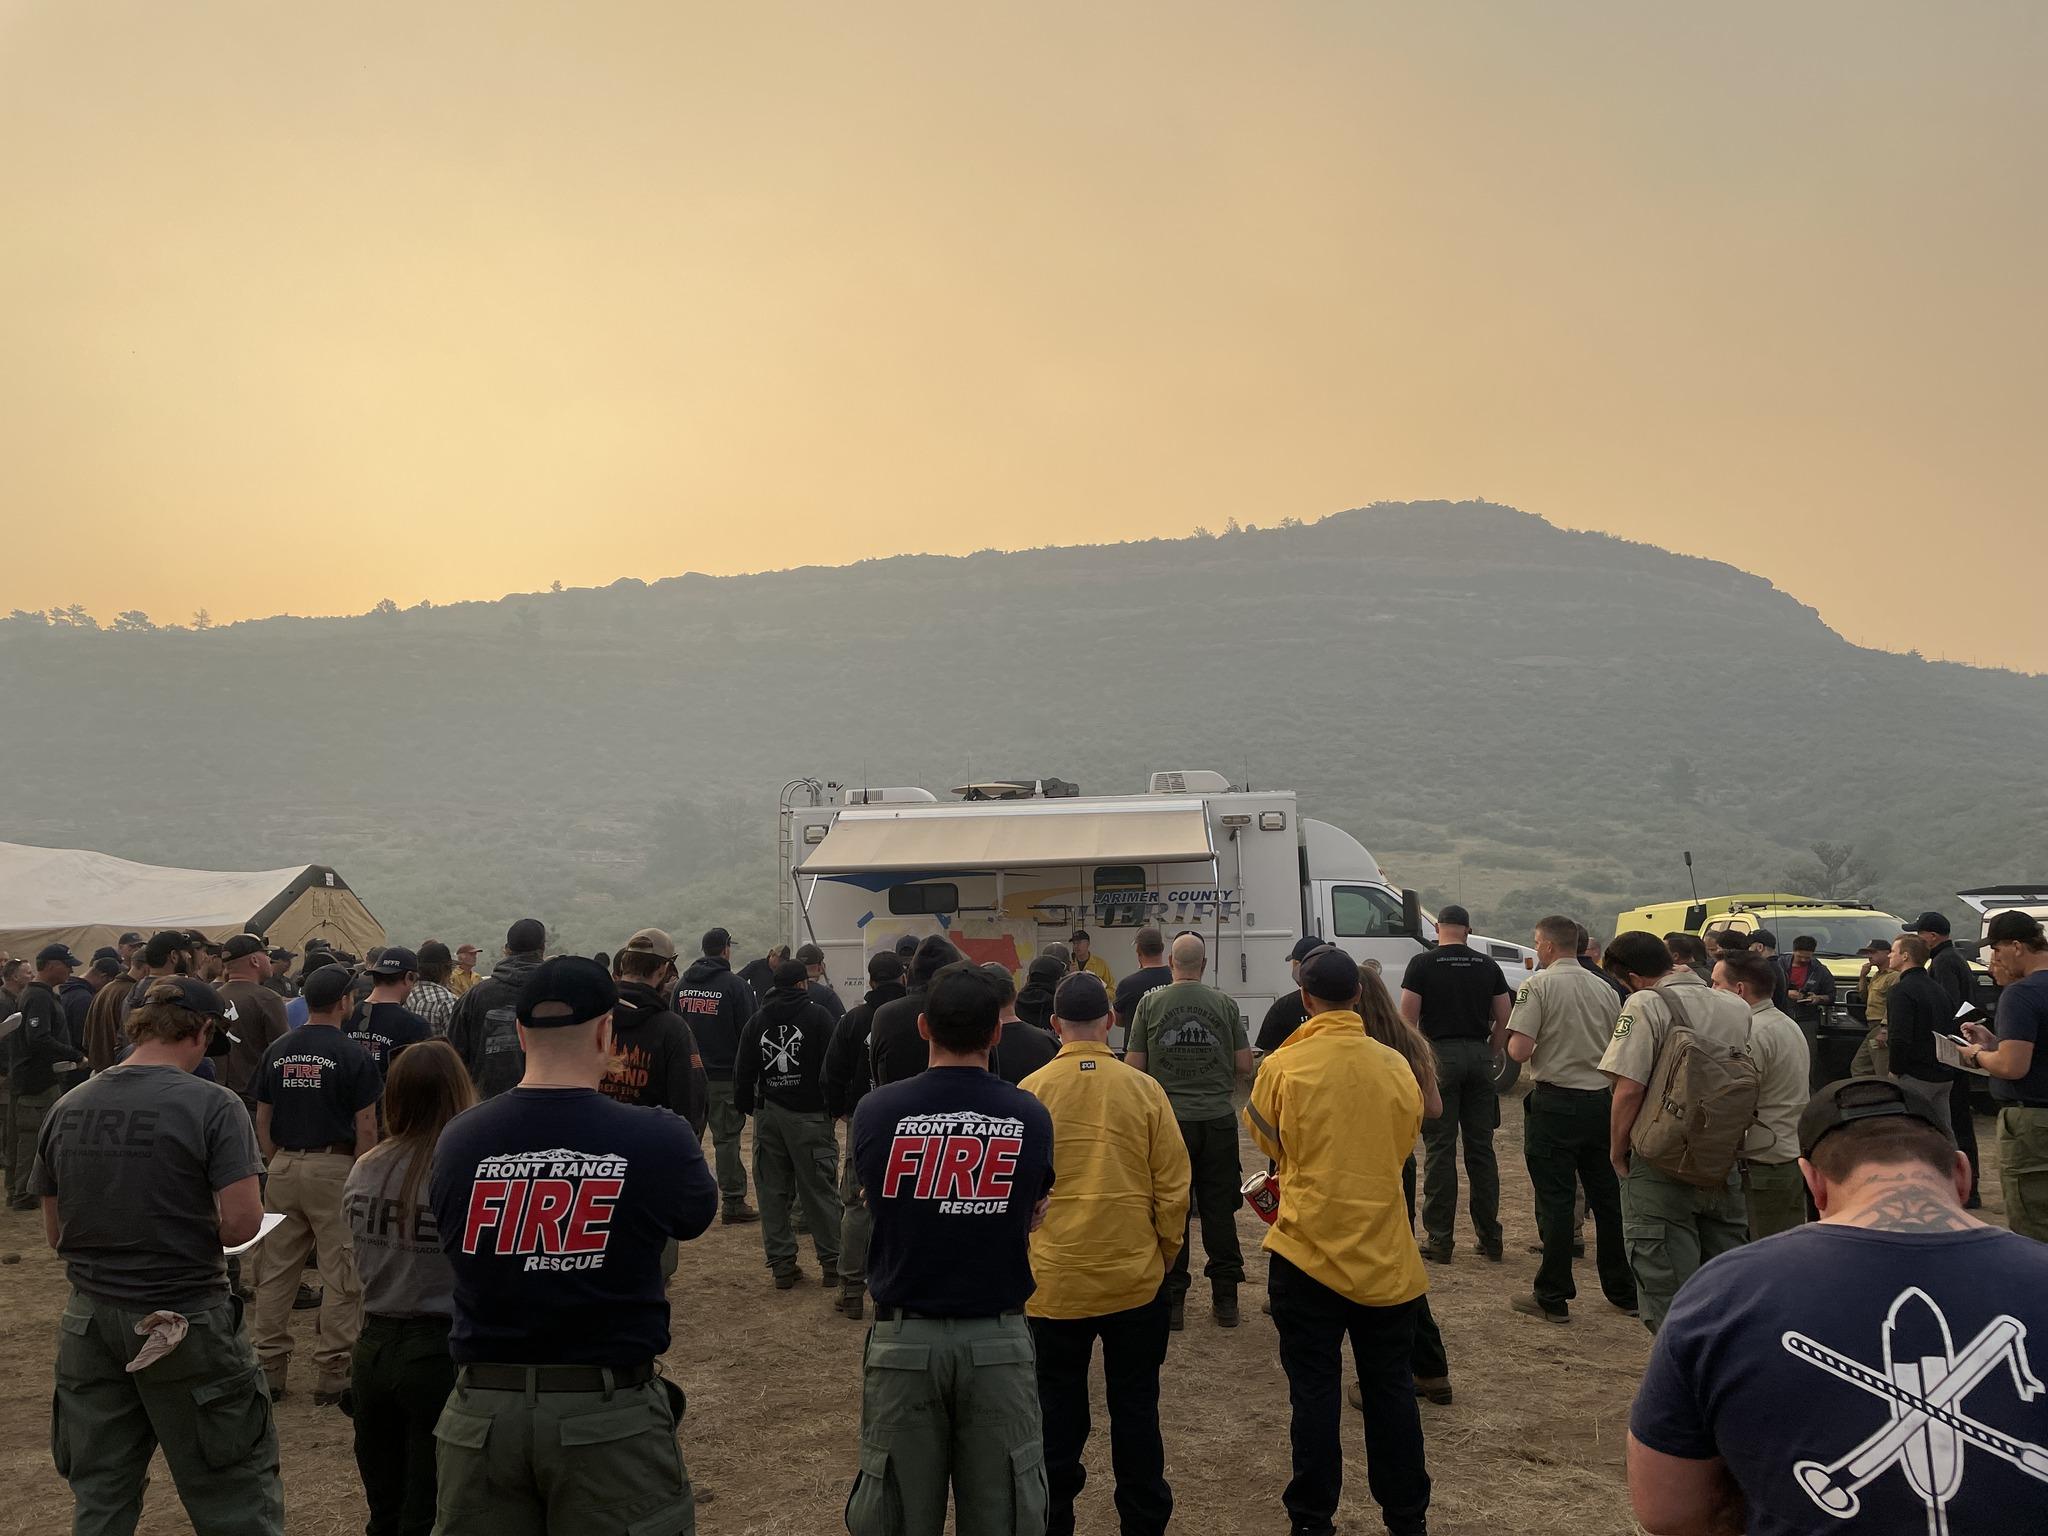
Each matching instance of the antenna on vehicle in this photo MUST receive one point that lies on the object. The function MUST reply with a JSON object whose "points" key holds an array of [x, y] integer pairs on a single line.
{"points": [[1692, 877]]}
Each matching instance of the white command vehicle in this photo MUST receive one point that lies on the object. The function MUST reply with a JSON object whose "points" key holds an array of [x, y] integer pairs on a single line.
{"points": [[1006, 868], [1990, 900]]}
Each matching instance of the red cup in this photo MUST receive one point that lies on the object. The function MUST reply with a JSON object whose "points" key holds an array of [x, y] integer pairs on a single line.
{"points": [[1262, 1193]]}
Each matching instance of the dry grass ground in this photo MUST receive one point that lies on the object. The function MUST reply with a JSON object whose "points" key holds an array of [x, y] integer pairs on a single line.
{"points": [[1533, 1443]]}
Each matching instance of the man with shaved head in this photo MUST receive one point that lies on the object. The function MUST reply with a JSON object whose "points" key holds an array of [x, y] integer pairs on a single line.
{"points": [[1192, 1038]]}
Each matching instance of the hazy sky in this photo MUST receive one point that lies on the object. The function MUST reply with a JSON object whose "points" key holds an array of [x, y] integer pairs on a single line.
{"points": [[305, 305]]}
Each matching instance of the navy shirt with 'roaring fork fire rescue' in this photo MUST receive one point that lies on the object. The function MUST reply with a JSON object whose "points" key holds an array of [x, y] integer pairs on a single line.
{"points": [[951, 1163], [554, 1205]]}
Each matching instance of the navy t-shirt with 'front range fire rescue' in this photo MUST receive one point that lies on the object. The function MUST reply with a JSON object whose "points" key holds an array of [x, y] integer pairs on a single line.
{"points": [[951, 1163], [554, 1205]]}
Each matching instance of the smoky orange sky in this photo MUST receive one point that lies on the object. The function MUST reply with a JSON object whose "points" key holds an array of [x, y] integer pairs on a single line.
{"points": [[307, 305]]}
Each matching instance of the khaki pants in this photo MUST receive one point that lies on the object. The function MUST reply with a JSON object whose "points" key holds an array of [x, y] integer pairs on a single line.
{"points": [[306, 1187], [1872, 1059], [949, 1402], [204, 1403], [2023, 1169]]}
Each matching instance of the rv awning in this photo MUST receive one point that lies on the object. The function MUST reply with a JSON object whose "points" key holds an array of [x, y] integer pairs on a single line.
{"points": [[1010, 835]]}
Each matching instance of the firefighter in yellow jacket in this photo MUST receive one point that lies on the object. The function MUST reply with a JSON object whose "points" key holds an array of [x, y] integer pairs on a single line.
{"points": [[1119, 1203], [1339, 1113]]}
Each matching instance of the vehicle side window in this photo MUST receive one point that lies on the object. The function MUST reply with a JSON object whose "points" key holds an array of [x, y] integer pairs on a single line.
{"points": [[1361, 912], [923, 900]]}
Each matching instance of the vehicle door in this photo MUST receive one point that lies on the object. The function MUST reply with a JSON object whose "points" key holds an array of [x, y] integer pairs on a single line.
{"points": [[1371, 923]]}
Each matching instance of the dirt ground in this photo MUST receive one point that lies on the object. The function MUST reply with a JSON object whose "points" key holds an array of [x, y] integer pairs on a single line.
{"points": [[1533, 1443]]}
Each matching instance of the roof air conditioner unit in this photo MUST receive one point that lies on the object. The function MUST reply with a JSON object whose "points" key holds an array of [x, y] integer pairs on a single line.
{"points": [[1189, 781]]}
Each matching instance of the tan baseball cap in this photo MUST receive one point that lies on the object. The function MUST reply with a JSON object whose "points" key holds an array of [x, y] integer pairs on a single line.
{"points": [[652, 941]]}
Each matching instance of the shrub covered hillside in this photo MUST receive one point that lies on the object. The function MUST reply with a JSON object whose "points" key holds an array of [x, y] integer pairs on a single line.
{"points": [[1520, 716]]}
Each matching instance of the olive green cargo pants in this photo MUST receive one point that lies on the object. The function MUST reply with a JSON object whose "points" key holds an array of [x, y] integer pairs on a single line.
{"points": [[855, 1224], [2023, 1169], [1671, 1228], [723, 1131], [532, 1463], [25, 1114], [949, 1401], [796, 1158], [204, 1403], [1774, 1195]]}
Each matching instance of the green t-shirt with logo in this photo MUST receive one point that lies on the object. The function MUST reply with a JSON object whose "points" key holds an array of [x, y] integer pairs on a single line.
{"points": [[1190, 1035]]}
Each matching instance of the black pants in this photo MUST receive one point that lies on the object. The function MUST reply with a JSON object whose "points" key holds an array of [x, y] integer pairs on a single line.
{"points": [[1313, 1322], [1217, 1192], [1133, 1349], [1964, 1124], [1564, 1142], [400, 1377], [1429, 1363]]}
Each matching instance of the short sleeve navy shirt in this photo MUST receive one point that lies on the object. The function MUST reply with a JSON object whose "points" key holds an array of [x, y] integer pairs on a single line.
{"points": [[951, 1163], [554, 1205], [385, 1029], [1800, 1359], [315, 1079]]}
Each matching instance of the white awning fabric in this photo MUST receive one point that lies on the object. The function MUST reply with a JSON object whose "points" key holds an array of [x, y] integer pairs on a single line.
{"points": [[1011, 835]]}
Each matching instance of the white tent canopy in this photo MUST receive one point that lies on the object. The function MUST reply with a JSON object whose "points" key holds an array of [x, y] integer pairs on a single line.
{"points": [[85, 899]]}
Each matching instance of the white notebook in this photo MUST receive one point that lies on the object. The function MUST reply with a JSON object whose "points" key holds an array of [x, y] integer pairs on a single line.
{"points": [[271, 1221]]}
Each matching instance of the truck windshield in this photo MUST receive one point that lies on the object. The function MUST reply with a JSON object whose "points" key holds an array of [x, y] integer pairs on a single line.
{"points": [[1837, 936]]}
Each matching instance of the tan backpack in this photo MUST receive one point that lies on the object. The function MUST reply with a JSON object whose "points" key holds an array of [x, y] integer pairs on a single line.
{"points": [[1700, 1104]]}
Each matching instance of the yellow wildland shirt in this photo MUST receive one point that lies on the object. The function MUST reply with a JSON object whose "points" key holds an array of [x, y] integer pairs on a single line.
{"points": [[1339, 1112], [1120, 1186]]}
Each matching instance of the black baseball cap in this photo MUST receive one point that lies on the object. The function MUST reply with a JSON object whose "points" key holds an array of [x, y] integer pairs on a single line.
{"points": [[131, 937], [106, 952], [566, 990], [199, 941], [54, 952], [1305, 946], [792, 975], [1878, 947], [1045, 970], [194, 994], [1330, 975], [1081, 999], [716, 942], [108, 966], [281, 956], [1928, 922], [808, 954], [241, 944], [884, 966], [326, 986], [2009, 926], [394, 962], [1454, 916], [1850, 1099], [906, 945], [528, 936]]}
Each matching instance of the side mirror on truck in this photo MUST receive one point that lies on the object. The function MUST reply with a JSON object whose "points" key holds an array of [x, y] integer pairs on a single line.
{"points": [[1411, 915]]}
